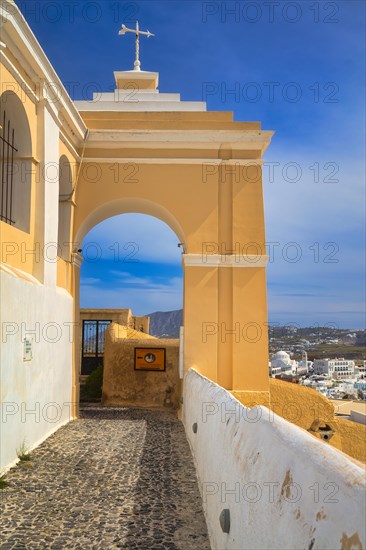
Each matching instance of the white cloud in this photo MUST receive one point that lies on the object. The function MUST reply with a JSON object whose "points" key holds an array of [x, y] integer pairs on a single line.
{"points": [[152, 296], [87, 281]]}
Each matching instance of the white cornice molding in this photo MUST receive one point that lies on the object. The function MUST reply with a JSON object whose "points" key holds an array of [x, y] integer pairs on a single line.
{"points": [[18, 77], [16, 31], [224, 260], [69, 145]]}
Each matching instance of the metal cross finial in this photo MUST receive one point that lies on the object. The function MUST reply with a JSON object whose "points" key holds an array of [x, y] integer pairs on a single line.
{"points": [[124, 30]]}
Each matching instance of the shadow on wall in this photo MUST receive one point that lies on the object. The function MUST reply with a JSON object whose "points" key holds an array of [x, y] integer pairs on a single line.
{"points": [[124, 385]]}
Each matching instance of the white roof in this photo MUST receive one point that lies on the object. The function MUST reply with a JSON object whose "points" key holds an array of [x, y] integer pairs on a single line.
{"points": [[281, 355]]}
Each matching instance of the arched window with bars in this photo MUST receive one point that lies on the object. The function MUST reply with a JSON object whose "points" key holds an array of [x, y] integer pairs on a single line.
{"points": [[15, 163]]}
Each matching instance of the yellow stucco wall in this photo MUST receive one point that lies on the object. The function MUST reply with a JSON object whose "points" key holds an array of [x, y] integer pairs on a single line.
{"points": [[24, 249], [162, 190], [18, 247], [64, 275], [123, 385], [209, 191], [352, 438]]}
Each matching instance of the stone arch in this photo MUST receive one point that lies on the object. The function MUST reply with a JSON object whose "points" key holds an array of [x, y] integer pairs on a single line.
{"points": [[126, 205], [64, 207], [16, 166], [189, 168]]}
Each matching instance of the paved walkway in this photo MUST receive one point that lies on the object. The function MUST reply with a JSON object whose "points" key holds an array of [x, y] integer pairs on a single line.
{"points": [[116, 478]]}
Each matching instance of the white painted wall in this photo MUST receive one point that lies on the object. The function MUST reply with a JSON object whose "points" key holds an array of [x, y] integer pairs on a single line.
{"points": [[43, 384], [51, 197], [284, 488]]}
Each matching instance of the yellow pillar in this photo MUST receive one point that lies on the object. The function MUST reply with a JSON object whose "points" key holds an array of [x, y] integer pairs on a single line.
{"points": [[200, 317], [76, 264]]}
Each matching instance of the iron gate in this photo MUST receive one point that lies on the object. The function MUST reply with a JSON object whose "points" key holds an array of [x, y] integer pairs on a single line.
{"points": [[92, 354]]}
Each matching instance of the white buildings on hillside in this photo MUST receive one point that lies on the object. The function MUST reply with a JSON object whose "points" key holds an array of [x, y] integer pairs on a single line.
{"points": [[281, 363], [334, 378], [335, 368]]}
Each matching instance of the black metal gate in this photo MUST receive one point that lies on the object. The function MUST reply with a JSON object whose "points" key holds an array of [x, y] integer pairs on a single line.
{"points": [[92, 354]]}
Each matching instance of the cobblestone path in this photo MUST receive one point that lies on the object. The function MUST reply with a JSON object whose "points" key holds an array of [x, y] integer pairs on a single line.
{"points": [[115, 478]]}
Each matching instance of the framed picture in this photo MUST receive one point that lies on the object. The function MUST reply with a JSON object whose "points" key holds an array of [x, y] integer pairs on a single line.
{"points": [[152, 359]]}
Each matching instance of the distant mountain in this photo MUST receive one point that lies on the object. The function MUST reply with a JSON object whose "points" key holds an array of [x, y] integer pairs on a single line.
{"points": [[165, 324]]}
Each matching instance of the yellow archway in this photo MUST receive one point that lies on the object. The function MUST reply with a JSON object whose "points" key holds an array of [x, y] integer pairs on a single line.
{"points": [[200, 172], [125, 205]]}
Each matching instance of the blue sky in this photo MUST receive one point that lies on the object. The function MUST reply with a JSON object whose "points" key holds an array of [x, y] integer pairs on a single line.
{"points": [[298, 67]]}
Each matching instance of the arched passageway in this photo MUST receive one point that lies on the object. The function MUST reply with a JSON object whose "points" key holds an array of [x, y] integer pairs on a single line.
{"points": [[132, 273]]}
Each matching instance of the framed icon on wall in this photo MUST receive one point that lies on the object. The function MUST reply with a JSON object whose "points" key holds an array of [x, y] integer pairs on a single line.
{"points": [[152, 359]]}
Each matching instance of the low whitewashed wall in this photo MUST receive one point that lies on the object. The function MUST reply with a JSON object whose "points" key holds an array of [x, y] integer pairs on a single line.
{"points": [[284, 488], [36, 394]]}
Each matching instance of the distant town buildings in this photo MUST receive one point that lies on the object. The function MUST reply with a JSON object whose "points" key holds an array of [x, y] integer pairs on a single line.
{"points": [[333, 377], [335, 368]]}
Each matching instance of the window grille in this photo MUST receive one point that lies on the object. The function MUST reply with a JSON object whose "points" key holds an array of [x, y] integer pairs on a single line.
{"points": [[7, 150]]}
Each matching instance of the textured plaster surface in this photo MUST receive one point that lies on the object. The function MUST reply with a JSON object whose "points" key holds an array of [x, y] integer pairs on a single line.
{"points": [[123, 385], [35, 394], [283, 487]]}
